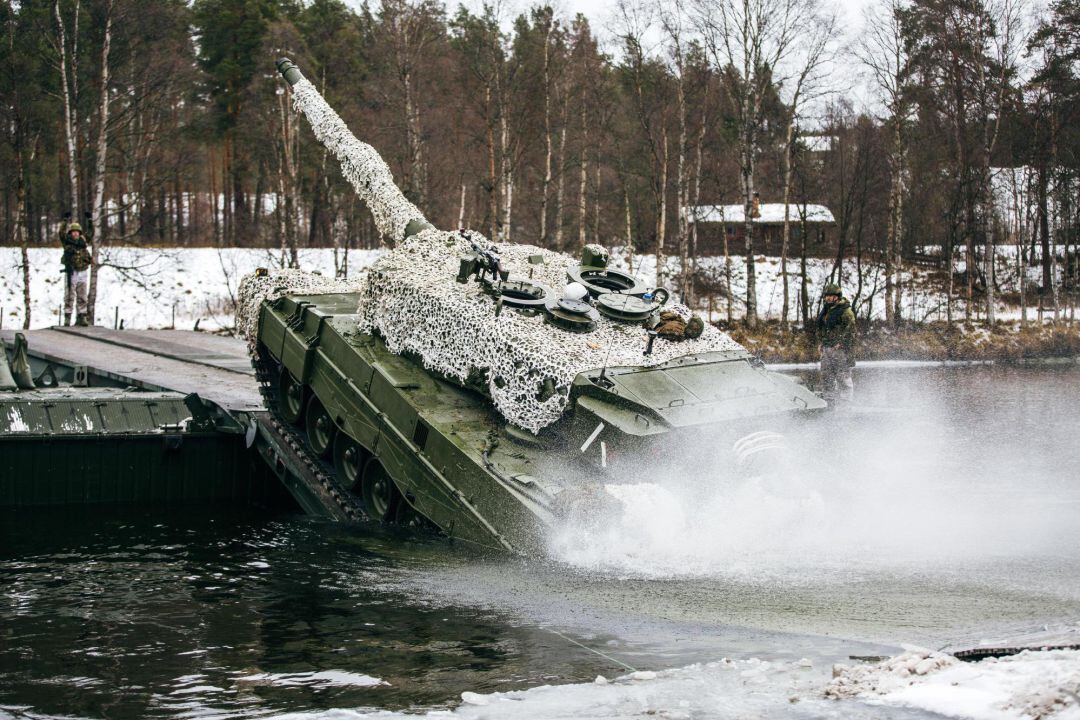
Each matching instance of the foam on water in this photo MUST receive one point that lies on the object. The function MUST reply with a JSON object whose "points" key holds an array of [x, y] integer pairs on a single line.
{"points": [[949, 482]]}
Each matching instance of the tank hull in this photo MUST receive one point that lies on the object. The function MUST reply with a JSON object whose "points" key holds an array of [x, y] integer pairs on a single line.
{"points": [[452, 459], [432, 438]]}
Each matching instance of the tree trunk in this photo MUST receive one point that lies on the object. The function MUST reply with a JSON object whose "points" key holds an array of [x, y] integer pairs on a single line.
{"points": [[417, 175], [461, 209], [493, 180], [583, 178], [548, 149], [729, 295], [629, 230], [21, 232], [506, 172], [747, 176], [786, 238], [1041, 198], [561, 185], [694, 201], [70, 107], [681, 186], [895, 224], [661, 214], [101, 227]]}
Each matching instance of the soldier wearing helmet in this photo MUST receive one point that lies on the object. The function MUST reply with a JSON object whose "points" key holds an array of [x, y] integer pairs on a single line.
{"points": [[836, 333], [76, 262]]}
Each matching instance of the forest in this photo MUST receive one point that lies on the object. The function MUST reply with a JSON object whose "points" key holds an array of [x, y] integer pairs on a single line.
{"points": [[942, 136]]}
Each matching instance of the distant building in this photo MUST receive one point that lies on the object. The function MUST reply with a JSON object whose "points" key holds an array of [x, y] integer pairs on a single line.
{"points": [[714, 220]]}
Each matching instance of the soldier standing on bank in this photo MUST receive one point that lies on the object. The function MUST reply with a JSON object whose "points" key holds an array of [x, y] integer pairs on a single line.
{"points": [[76, 262], [836, 333]]}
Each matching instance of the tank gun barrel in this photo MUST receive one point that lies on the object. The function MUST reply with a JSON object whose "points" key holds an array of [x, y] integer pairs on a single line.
{"points": [[395, 217]]}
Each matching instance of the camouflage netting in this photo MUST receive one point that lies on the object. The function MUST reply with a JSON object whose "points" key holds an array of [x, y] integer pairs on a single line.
{"points": [[412, 299], [254, 289], [360, 164]]}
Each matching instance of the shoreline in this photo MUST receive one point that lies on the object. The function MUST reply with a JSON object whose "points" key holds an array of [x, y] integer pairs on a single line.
{"points": [[1063, 361], [878, 345]]}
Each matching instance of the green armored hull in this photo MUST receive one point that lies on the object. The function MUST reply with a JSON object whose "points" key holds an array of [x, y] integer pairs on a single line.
{"points": [[412, 447]]}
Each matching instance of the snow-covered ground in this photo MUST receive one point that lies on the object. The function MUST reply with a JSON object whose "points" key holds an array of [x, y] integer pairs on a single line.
{"points": [[1029, 686], [922, 299], [146, 285]]}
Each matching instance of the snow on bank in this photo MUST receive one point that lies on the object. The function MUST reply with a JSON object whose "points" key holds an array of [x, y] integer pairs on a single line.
{"points": [[1033, 684], [1029, 686], [146, 284]]}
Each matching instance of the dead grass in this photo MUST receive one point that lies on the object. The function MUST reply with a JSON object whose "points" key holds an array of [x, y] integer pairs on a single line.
{"points": [[929, 341]]}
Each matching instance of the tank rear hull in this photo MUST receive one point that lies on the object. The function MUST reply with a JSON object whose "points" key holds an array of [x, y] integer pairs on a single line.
{"points": [[431, 437]]}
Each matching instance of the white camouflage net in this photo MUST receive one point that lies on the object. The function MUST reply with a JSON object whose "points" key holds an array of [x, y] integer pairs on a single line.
{"points": [[360, 164], [412, 299], [254, 289]]}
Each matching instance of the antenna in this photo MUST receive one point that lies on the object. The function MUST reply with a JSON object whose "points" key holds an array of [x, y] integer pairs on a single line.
{"points": [[603, 381]]}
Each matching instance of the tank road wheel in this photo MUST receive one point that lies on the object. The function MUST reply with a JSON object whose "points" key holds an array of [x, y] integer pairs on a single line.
{"points": [[320, 428], [378, 492], [348, 462], [291, 396]]}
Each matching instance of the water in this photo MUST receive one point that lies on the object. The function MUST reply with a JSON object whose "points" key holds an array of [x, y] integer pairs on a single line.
{"points": [[946, 525]]}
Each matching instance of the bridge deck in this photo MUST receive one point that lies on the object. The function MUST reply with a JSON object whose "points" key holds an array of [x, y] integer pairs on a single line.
{"points": [[179, 360]]}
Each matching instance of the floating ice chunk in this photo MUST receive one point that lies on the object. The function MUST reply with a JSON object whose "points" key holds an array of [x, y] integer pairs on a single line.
{"points": [[474, 698]]}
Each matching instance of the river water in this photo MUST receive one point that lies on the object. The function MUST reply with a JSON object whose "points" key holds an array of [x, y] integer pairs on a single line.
{"points": [[944, 513]]}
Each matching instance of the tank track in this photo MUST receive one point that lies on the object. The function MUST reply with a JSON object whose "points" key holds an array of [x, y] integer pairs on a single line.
{"points": [[319, 471]]}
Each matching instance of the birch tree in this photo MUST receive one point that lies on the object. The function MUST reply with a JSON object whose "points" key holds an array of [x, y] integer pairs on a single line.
{"points": [[101, 152], [883, 52], [813, 57], [68, 89], [749, 42]]}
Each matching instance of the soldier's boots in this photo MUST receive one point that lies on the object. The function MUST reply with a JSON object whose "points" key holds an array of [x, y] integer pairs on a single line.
{"points": [[80, 320], [67, 319]]}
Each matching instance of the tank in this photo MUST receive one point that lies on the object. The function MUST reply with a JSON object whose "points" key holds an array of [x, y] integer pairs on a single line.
{"points": [[492, 390]]}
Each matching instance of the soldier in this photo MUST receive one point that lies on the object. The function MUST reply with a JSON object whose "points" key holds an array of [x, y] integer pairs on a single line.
{"points": [[76, 261], [836, 333]]}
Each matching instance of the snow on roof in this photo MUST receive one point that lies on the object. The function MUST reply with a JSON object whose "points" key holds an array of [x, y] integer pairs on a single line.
{"points": [[771, 214]]}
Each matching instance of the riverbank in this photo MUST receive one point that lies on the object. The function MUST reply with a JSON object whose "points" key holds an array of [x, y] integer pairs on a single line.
{"points": [[935, 342]]}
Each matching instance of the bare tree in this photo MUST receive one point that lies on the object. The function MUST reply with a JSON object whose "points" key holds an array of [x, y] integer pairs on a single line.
{"points": [[883, 52], [550, 25], [101, 151], [749, 42], [410, 31], [812, 59], [637, 25], [1000, 36], [672, 19], [68, 89]]}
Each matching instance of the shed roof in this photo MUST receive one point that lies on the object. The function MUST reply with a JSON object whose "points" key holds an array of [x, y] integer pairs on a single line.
{"points": [[771, 214]]}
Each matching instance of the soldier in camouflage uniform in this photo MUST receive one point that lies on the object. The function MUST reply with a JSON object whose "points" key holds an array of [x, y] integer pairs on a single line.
{"points": [[76, 262], [836, 333]]}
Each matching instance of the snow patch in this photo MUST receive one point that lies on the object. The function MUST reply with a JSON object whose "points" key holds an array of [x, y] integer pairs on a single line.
{"points": [[15, 420], [1032, 684]]}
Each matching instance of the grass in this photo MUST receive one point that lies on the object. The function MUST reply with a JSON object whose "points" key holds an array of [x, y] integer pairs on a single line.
{"points": [[928, 341]]}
